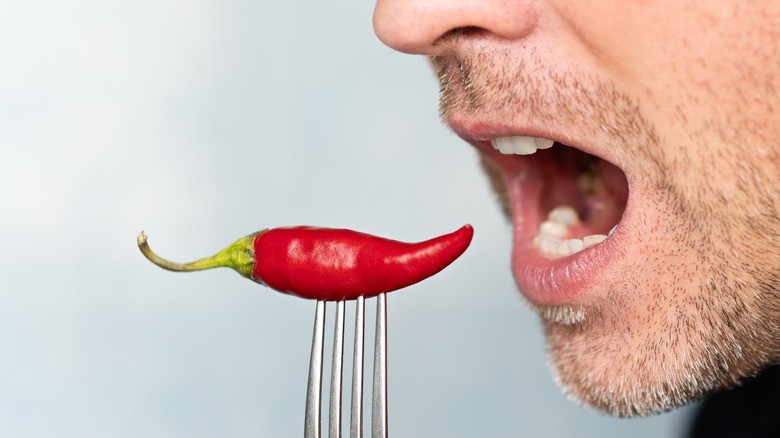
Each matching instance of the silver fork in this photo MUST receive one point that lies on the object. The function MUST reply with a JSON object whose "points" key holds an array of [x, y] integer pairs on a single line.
{"points": [[312, 422]]}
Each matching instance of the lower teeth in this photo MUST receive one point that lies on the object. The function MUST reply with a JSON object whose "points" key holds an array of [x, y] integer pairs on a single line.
{"points": [[551, 242]]}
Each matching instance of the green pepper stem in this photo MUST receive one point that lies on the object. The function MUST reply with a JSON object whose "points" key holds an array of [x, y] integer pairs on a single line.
{"points": [[240, 256]]}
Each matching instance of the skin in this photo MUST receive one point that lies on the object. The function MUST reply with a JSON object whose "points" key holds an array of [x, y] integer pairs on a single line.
{"points": [[682, 96]]}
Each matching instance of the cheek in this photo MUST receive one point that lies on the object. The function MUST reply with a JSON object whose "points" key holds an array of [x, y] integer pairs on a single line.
{"points": [[681, 59], [628, 39]]}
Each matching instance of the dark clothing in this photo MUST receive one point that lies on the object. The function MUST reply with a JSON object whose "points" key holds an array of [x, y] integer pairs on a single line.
{"points": [[751, 410]]}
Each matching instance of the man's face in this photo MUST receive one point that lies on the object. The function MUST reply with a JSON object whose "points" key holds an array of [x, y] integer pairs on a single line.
{"points": [[665, 117]]}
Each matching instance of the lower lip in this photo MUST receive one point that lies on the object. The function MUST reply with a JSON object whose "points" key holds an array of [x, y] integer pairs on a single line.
{"points": [[560, 280]]}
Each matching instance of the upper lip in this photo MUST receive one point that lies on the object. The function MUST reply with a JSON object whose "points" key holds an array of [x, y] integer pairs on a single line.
{"points": [[479, 132]]}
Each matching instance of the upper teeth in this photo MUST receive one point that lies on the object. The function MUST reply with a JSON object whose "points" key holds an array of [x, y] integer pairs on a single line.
{"points": [[521, 145]]}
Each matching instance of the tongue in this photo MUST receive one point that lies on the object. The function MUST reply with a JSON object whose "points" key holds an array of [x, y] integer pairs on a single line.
{"points": [[603, 213]]}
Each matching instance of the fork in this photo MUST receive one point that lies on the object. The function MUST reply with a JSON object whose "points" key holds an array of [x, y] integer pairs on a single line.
{"points": [[297, 252], [312, 423]]}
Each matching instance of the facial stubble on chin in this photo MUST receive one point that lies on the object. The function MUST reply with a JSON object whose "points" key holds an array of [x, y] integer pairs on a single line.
{"points": [[622, 366]]}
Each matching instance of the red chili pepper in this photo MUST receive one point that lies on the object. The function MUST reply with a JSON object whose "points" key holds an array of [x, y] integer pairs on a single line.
{"points": [[327, 263]]}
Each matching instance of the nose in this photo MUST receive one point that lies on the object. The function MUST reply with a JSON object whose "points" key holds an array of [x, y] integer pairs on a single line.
{"points": [[415, 26]]}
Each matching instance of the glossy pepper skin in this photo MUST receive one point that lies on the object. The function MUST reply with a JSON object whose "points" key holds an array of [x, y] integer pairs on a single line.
{"points": [[338, 264], [328, 263]]}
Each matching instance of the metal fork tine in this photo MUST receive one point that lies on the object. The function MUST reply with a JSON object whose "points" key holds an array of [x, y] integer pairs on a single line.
{"points": [[312, 424], [311, 428], [356, 419], [334, 409], [379, 392]]}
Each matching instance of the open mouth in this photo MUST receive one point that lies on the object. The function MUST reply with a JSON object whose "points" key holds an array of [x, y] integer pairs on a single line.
{"points": [[582, 196], [566, 205]]}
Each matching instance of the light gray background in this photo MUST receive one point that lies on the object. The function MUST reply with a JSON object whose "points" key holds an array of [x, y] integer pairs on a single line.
{"points": [[202, 121]]}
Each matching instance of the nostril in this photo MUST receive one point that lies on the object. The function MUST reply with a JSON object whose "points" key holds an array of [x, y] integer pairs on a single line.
{"points": [[414, 26], [464, 31]]}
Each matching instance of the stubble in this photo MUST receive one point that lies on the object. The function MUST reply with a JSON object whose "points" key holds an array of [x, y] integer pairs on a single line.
{"points": [[650, 345]]}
